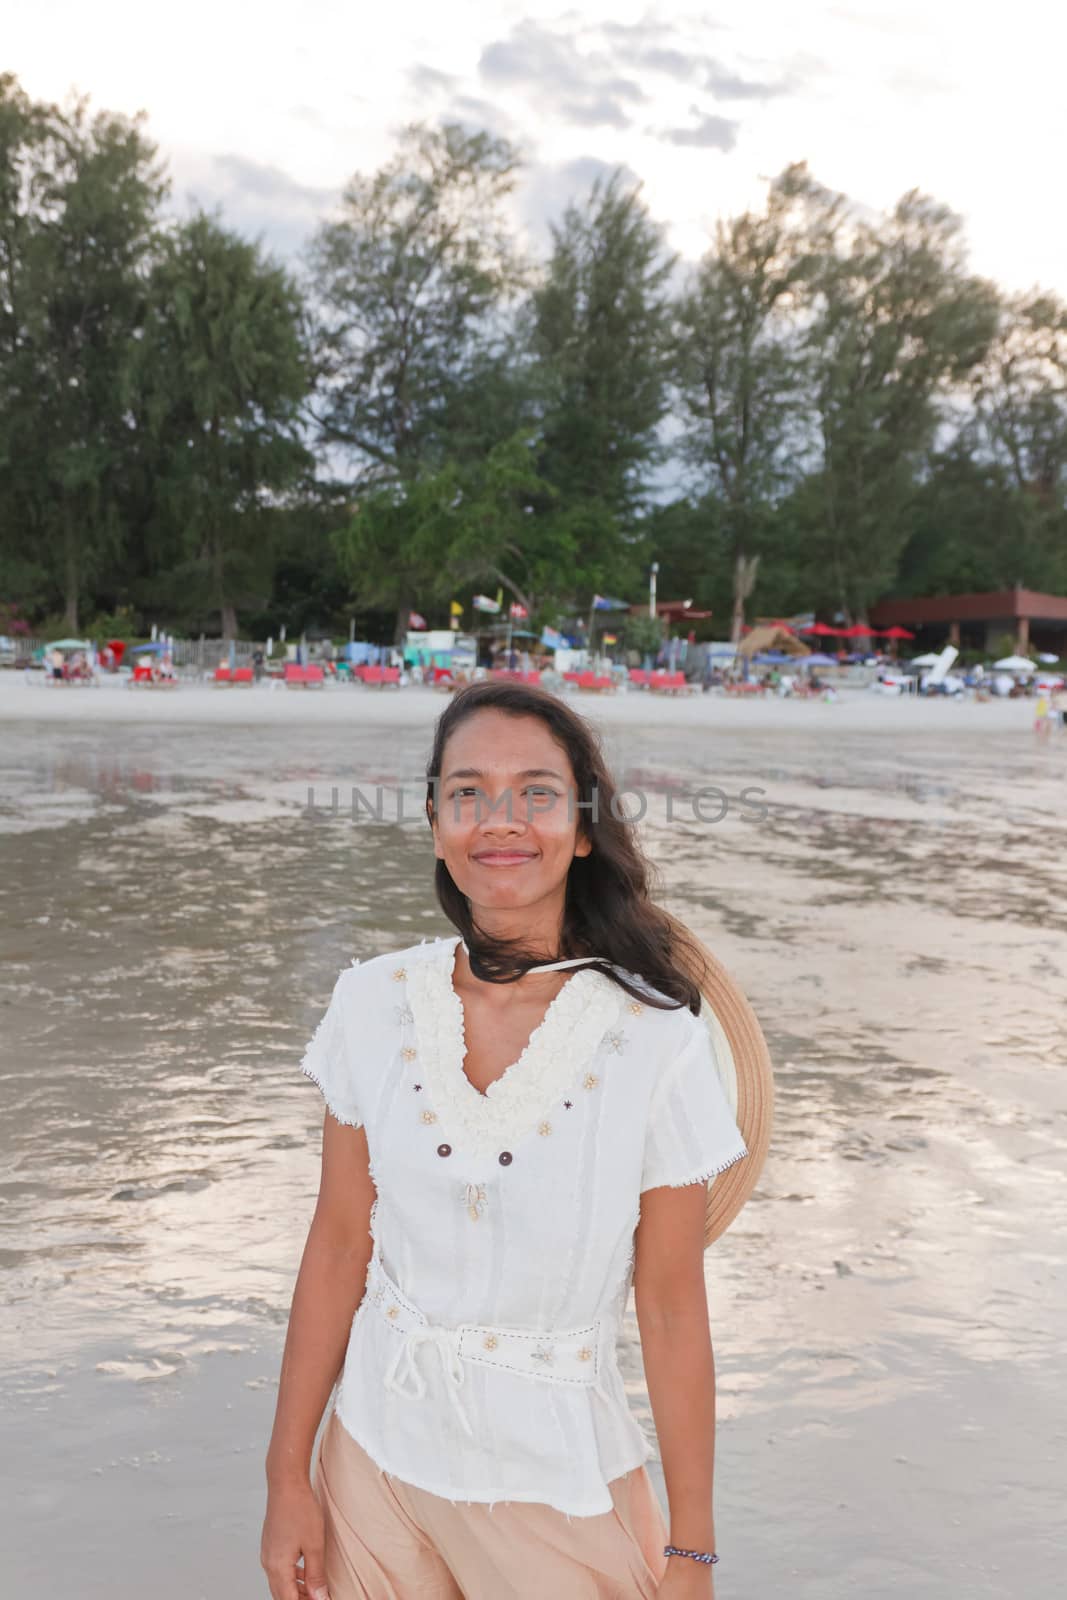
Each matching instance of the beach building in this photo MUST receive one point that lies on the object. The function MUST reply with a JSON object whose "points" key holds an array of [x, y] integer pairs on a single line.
{"points": [[979, 621]]}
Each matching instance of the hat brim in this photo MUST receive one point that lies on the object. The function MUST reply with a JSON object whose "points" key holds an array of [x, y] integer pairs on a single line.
{"points": [[744, 1065]]}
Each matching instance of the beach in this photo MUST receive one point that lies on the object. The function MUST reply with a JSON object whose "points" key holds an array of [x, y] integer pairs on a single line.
{"points": [[183, 874]]}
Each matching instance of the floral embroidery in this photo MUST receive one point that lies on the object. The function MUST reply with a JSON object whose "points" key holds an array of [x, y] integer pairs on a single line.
{"points": [[615, 1040], [544, 1355], [591, 1080], [399, 974], [403, 1014], [585, 1354], [635, 1008], [545, 1128], [429, 1116], [490, 1341], [409, 1053], [566, 1040], [474, 1194]]}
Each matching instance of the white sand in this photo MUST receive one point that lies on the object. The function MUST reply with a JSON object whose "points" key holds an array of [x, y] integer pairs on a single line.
{"points": [[272, 704]]}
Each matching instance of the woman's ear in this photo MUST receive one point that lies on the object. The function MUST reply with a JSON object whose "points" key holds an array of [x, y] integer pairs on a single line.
{"points": [[583, 845], [438, 848]]}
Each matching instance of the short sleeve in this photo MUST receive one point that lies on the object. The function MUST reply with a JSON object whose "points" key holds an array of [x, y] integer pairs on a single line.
{"points": [[691, 1134], [327, 1061]]}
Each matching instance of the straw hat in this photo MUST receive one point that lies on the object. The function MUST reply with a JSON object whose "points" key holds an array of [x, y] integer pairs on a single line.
{"points": [[744, 1065]]}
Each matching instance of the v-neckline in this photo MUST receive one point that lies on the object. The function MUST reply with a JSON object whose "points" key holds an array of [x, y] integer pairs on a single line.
{"points": [[557, 1053], [528, 1048]]}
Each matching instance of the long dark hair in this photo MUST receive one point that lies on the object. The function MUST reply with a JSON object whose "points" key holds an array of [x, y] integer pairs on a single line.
{"points": [[608, 911]]}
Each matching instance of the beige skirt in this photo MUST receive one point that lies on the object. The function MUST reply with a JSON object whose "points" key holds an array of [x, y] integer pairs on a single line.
{"points": [[386, 1540]]}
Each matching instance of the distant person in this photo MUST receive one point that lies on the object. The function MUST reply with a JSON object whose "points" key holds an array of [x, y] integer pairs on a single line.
{"points": [[258, 663]]}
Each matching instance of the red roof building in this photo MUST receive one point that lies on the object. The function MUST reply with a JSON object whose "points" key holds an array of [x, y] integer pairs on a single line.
{"points": [[1036, 621]]}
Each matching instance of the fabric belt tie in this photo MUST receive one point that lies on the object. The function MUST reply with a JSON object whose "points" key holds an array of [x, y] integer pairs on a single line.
{"points": [[579, 1358], [403, 1375]]}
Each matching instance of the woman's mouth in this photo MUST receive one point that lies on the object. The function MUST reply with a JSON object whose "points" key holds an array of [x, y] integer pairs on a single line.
{"points": [[504, 858]]}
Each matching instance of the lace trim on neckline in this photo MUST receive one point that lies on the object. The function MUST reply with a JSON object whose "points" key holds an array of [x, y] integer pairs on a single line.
{"points": [[560, 1047]]}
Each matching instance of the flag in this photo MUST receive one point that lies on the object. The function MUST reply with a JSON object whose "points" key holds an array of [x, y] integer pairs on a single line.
{"points": [[415, 620], [604, 602], [482, 602], [457, 609], [608, 638], [552, 639], [518, 611], [499, 598]]}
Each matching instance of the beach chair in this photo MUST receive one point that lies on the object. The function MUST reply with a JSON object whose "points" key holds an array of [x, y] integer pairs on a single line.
{"points": [[314, 677], [391, 675], [294, 676], [221, 677], [245, 676], [372, 676], [639, 677]]}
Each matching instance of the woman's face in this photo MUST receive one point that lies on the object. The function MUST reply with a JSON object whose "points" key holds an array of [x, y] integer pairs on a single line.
{"points": [[507, 820]]}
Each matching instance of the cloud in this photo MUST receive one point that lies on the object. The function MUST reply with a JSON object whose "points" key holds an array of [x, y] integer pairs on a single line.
{"points": [[650, 47], [727, 85], [428, 80], [595, 75], [584, 88], [602, 112], [548, 190], [710, 133], [255, 199]]}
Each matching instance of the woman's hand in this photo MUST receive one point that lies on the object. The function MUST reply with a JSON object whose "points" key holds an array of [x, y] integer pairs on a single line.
{"points": [[294, 1526], [686, 1580]]}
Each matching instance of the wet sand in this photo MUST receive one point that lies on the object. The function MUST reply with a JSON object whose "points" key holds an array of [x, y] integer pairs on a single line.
{"points": [[888, 1311]]}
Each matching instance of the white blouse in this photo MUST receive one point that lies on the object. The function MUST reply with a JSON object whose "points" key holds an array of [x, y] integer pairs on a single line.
{"points": [[481, 1364]]}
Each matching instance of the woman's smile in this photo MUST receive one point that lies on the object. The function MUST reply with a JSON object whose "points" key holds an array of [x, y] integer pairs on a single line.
{"points": [[504, 858]]}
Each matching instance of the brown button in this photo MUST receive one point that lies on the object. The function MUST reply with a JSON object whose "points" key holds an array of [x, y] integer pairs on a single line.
{"points": [[444, 1149], [505, 1158]]}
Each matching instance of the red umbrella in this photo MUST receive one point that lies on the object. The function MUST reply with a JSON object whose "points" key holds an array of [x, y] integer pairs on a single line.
{"points": [[896, 633], [857, 631], [823, 629]]}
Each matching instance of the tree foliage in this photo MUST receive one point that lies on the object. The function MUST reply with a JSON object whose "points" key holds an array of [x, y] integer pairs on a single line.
{"points": [[827, 408], [222, 377]]}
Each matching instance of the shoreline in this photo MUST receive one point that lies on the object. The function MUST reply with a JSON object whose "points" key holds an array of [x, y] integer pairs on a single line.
{"points": [[855, 710]]}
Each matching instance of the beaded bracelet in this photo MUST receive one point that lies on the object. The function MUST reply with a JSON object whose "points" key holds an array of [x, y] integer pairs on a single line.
{"points": [[697, 1555]]}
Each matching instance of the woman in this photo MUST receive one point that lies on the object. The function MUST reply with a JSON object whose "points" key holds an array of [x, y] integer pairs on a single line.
{"points": [[521, 1120]]}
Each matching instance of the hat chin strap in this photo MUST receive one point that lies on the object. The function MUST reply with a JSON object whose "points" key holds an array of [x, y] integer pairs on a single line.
{"points": [[551, 966]]}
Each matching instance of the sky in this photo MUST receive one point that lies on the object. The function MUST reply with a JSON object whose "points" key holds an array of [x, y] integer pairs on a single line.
{"points": [[265, 110]]}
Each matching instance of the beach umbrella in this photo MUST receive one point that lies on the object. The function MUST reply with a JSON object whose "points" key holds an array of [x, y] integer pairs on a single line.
{"points": [[1047, 657], [822, 630], [1014, 664], [819, 660], [896, 633], [858, 631], [69, 644], [148, 649]]}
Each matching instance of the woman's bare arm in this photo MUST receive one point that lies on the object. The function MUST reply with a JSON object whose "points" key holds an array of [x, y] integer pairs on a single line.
{"points": [[329, 1287], [672, 1314]]}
